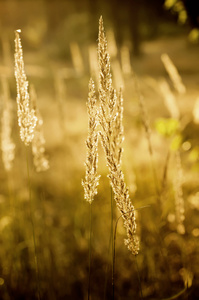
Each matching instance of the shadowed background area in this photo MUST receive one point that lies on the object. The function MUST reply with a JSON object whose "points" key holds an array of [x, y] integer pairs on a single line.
{"points": [[59, 40]]}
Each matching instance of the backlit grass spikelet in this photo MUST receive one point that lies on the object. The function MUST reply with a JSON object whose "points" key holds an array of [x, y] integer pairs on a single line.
{"points": [[110, 117], [91, 180], [26, 117]]}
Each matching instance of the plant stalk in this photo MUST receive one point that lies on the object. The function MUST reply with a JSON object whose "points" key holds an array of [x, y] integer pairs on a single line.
{"points": [[33, 229]]}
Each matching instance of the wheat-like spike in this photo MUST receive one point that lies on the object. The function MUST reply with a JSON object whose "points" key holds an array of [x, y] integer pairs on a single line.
{"points": [[105, 78], [26, 117], [91, 180], [179, 199], [107, 95], [7, 144], [40, 160], [110, 117]]}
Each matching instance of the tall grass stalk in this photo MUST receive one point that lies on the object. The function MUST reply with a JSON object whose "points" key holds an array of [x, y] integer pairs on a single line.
{"points": [[32, 227], [91, 180], [90, 251], [110, 118], [112, 235], [111, 243], [114, 250], [139, 280]]}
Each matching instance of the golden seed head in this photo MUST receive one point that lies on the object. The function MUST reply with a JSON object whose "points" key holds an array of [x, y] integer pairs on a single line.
{"points": [[26, 117], [91, 180], [110, 119]]}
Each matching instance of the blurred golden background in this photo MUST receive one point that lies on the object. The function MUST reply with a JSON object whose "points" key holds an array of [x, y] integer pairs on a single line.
{"points": [[59, 40]]}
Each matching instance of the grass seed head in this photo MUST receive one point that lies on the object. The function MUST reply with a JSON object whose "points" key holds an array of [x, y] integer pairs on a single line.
{"points": [[27, 119], [91, 180], [110, 118]]}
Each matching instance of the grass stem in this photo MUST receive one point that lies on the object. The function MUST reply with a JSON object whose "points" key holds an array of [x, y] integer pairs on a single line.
{"points": [[111, 239], [140, 286], [33, 228], [114, 249], [90, 250]]}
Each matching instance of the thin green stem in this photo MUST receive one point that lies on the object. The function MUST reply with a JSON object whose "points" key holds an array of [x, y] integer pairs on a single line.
{"points": [[33, 228], [90, 250]]}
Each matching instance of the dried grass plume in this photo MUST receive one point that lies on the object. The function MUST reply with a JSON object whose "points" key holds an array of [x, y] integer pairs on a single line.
{"points": [[91, 180], [27, 119], [110, 116]]}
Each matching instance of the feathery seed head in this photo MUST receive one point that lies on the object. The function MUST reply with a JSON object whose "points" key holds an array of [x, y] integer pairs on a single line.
{"points": [[26, 117], [110, 119], [91, 180], [105, 78]]}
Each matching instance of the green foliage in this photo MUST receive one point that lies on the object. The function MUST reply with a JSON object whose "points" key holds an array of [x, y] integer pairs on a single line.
{"points": [[177, 6], [167, 127]]}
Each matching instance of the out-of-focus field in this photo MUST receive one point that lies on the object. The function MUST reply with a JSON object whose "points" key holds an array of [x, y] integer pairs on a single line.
{"points": [[168, 261]]}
